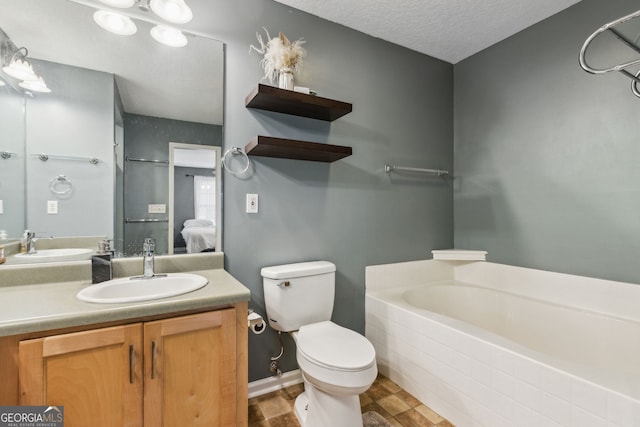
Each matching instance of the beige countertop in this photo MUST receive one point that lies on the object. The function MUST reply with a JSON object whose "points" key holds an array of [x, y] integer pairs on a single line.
{"points": [[44, 306]]}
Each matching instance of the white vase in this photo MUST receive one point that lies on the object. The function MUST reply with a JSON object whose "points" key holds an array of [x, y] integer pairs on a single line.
{"points": [[285, 79]]}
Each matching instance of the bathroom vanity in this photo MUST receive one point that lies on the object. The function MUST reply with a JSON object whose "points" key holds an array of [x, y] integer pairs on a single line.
{"points": [[171, 361]]}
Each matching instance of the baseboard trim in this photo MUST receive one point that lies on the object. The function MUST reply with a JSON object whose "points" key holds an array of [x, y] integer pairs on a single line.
{"points": [[267, 385]]}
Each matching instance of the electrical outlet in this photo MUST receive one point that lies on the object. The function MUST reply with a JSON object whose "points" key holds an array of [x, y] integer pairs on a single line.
{"points": [[1, 206], [52, 207], [252, 203]]}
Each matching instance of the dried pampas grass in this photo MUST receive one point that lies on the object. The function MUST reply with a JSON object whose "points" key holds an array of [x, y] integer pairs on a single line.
{"points": [[279, 53]]}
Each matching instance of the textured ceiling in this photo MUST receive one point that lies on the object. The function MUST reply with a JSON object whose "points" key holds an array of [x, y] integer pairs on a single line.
{"points": [[451, 30]]}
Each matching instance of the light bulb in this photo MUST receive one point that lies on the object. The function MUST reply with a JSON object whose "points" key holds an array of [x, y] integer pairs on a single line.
{"points": [[175, 11], [35, 85], [115, 22], [168, 36], [20, 69], [119, 3]]}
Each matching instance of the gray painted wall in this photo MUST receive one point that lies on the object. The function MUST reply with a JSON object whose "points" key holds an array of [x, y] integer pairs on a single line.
{"points": [[546, 155], [349, 212]]}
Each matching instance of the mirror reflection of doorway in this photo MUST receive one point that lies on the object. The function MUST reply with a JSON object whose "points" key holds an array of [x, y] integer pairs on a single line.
{"points": [[148, 177], [194, 192]]}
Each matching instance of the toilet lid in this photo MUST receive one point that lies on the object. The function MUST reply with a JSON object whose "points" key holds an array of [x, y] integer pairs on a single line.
{"points": [[333, 346]]}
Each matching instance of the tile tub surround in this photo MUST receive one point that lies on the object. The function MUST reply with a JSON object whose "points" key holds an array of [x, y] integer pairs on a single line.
{"points": [[395, 405], [475, 378]]}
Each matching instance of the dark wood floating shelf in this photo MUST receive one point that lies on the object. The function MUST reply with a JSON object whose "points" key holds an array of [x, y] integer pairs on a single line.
{"points": [[298, 104], [267, 146]]}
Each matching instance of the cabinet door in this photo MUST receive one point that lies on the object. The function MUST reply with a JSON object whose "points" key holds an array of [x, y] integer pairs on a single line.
{"points": [[96, 375], [190, 371]]}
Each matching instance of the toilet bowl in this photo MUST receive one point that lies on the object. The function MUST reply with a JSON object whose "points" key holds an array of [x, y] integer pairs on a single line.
{"points": [[337, 364]]}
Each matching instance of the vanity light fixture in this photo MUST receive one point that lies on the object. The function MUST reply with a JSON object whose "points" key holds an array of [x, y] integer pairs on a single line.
{"points": [[15, 64], [143, 5], [18, 66], [175, 11], [168, 36], [115, 22], [123, 4], [35, 85]]}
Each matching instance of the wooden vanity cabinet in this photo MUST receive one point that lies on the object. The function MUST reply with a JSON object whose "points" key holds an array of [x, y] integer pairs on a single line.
{"points": [[96, 375], [190, 371], [179, 371]]}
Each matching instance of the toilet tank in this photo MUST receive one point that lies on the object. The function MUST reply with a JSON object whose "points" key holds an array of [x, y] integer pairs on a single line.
{"points": [[298, 294]]}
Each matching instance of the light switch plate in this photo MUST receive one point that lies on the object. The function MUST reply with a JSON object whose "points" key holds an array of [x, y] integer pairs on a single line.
{"points": [[52, 207], [1, 207]]}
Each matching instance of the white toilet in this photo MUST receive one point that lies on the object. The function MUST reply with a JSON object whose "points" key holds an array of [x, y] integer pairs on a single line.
{"points": [[337, 364]]}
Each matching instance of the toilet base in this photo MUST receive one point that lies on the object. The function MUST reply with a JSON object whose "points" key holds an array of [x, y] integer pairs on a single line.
{"points": [[314, 408], [300, 408]]}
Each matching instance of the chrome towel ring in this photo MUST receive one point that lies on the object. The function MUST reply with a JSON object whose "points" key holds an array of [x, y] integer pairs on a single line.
{"points": [[60, 185], [235, 151]]}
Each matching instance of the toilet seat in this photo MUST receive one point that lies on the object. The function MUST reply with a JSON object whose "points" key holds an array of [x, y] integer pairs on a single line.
{"points": [[334, 347], [335, 359]]}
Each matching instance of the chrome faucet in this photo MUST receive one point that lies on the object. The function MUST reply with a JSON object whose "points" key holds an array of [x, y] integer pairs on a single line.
{"points": [[148, 248], [30, 241], [148, 251]]}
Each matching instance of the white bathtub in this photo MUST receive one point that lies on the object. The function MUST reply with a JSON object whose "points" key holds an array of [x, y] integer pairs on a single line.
{"points": [[491, 345]]}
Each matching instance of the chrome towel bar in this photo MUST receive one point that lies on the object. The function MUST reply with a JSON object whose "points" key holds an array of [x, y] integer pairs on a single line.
{"points": [[133, 159], [391, 168], [7, 154], [129, 221], [44, 157]]}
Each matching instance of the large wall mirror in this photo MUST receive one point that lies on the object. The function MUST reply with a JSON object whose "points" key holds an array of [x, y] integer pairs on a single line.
{"points": [[95, 155]]}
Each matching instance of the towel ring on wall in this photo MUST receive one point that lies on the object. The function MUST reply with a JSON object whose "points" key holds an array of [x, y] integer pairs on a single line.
{"points": [[234, 151], [60, 185]]}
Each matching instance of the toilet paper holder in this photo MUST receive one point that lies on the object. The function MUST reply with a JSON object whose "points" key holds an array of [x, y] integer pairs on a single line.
{"points": [[255, 322]]}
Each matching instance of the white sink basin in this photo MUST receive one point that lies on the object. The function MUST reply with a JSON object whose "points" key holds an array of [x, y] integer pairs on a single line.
{"points": [[132, 289], [54, 255]]}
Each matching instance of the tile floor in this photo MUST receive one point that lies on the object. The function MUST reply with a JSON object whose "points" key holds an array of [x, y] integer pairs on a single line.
{"points": [[398, 407]]}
